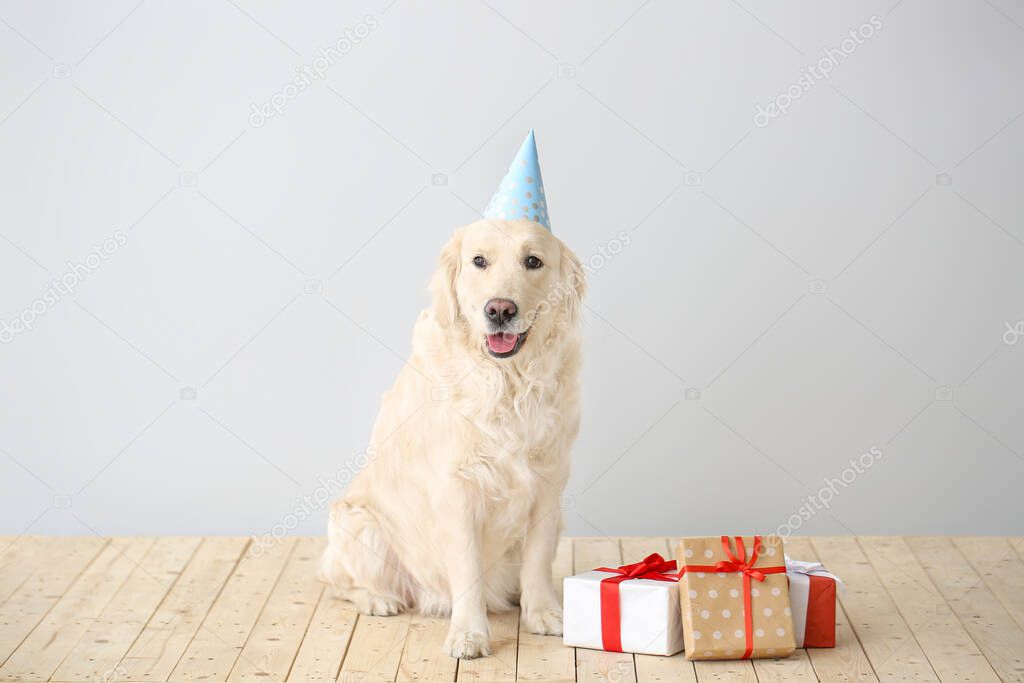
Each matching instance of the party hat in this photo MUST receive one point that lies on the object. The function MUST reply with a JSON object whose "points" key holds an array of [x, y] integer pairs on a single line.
{"points": [[521, 193]]}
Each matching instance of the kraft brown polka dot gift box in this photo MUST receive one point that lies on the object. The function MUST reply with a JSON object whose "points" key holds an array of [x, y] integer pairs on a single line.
{"points": [[734, 597]]}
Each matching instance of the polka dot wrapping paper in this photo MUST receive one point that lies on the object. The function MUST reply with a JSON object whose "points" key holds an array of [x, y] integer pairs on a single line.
{"points": [[521, 193], [712, 602]]}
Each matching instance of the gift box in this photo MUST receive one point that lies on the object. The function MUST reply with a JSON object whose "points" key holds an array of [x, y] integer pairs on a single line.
{"points": [[735, 598], [633, 608], [812, 599]]}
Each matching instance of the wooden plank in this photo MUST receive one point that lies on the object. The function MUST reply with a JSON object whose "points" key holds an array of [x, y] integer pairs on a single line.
{"points": [[636, 548], [597, 665], [424, 658], [654, 668], [19, 559], [728, 671], [23, 611], [92, 592], [162, 642], [1000, 567], [887, 640], [222, 634], [846, 662], [984, 617], [796, 667], [595, 551], [376, 648], [110, 636], [501, 665], [952, 653], [42, 651], [545, 658], [326, 641], [275, 639]]}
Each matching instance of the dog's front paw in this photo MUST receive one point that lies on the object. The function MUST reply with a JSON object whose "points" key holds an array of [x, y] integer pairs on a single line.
{"points": [[466, 644], [372, 604], [545, 621]]}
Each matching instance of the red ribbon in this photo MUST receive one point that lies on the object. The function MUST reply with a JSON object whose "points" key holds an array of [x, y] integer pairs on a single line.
{"points": [[740, 564], [653, 567]]}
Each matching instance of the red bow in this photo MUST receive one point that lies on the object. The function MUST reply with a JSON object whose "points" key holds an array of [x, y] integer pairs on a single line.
{"points": [[734, 564], [746, 567], [653, 567]]}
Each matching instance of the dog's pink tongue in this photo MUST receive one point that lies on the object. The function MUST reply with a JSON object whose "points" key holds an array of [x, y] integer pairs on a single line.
{"points": [[501, 343]]}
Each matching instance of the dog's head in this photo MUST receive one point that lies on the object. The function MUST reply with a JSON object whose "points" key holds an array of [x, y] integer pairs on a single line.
{"points": [[510, 285]]}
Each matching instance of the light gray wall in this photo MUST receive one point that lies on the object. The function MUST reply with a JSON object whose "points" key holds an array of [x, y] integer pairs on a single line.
{"points": [[791, 296]]}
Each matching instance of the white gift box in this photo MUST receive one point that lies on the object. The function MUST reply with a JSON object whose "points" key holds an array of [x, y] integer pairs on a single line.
{"points": [[649, 616]]}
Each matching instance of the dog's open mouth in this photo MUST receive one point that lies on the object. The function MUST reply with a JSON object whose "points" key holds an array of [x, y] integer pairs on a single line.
{"points": [[505, 344]]}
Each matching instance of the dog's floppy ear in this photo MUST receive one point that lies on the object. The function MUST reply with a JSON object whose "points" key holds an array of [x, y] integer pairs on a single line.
{"points": [[442, 286], [574, 285]]}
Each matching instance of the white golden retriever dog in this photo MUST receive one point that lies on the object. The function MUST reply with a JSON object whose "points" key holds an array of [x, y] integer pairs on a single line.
{"points": [[458, 511]]}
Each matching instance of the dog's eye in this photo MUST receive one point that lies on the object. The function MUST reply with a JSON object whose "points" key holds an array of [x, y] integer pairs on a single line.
{"points": [[480, 262], [533, 263]]}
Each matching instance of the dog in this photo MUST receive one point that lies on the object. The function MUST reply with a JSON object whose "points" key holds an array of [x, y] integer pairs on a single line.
{"points": [[457, 511]]}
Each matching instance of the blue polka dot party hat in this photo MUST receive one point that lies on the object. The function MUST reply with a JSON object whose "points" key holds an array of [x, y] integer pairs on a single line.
{"points": [[521, 193]]}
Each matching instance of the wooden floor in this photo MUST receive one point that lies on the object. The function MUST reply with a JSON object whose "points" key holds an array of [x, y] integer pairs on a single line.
{"points": [[175, 609]]}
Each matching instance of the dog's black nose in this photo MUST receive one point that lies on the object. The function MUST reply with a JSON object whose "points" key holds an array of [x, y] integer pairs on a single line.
{"points": [[500, 311]]}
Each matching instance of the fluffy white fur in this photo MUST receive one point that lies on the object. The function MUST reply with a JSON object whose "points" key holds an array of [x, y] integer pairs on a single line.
{"points": [[458, 511]]}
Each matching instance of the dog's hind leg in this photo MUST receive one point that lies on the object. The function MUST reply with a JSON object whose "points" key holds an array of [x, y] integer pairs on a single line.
{"points": [[359, 565]]}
